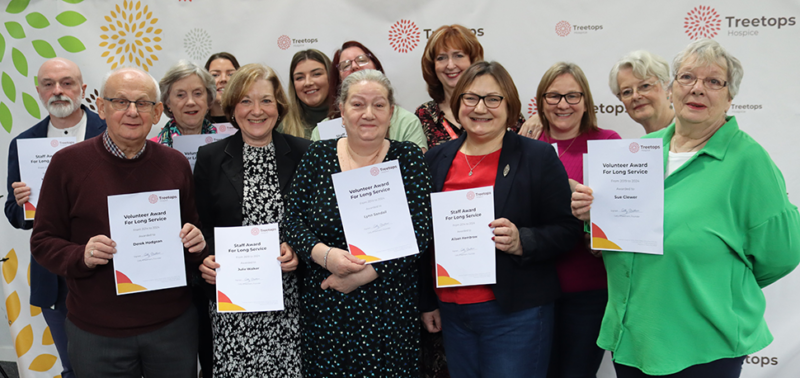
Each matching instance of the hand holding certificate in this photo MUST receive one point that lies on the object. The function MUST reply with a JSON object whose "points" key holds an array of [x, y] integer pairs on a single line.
{"points": [[627, 178], [34, 157]]}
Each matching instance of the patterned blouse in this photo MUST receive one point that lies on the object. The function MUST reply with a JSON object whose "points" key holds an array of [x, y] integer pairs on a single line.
{"points": [[171, 129], [433, 120]]}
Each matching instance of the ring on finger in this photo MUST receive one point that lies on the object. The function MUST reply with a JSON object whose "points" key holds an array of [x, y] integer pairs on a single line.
{"points": [[530, 131], [91, 252]]}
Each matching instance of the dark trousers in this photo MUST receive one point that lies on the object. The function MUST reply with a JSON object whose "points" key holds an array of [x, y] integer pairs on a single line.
{"points": [[205, 346], [55, 317], [723, 368], [578, 317], [168, 352]]}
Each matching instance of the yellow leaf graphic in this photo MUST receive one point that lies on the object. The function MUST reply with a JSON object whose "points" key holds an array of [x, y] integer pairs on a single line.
{"points": [[12, 307], [24, 340], [10, 267], [35, 310], [43, 362], [47, 337]]}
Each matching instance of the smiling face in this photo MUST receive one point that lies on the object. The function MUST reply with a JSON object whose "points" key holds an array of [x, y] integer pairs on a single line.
{"points": [[642, 107], [256, 113], [448, 67], [129, 127], [479, 121], [696, 105], [311, 82], [188, 102], [221, 69], [564, 118], [366, 111], [351, 53], [60, 87]]}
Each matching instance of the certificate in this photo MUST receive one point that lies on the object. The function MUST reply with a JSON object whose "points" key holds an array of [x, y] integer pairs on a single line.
{"points": [[374, 211], [188, 144], [249, 277], [331, 129], [225, 128], [34, 157], [628, 187], [465, 251], [146, 227]]}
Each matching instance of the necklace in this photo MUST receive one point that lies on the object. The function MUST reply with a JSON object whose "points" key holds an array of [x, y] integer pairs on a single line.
{"points": [[565, 150], [476, 165]]}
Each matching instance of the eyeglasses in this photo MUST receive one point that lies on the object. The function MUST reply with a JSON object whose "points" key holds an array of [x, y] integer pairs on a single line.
{"points": [[362, 60], [572, 98], [121, 104], [491, 101], [642, 88], [689, 79]]}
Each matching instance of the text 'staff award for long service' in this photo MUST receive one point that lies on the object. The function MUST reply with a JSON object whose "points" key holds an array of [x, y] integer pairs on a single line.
{"points": [[249, 277], [627, 179], [464, 249], [374, 211], [34, 157], [146, 227]]}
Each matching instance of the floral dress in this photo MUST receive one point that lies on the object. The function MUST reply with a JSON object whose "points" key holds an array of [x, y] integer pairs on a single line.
{"points": [[260, 344], [374, 330]]}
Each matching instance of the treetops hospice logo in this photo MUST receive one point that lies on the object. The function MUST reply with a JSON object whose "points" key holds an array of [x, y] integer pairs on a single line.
{"points": [[404, 36], [563, 28], [634, 147], [255, 231], [702, 22], [54, 143], [153, 198], [209, 139], [470, 195], [374, 171], [284, 42]]}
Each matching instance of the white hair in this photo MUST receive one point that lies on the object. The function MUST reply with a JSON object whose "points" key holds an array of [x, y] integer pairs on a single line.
{"points": [[644, 64], [114, 71], [707, 52]]}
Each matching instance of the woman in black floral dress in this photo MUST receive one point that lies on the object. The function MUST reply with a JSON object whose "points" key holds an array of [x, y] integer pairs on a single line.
{"points": [[241, 180], [359, 320]]}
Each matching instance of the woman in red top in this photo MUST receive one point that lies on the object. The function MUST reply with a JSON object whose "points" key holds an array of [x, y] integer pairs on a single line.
{"points": [[503, 329]]}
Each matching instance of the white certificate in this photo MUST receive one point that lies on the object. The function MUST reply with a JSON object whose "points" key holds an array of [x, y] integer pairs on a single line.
{"points": [[34, 157], [225, 128], [249, 277], [374, 211], [465, 251], [331, 129], [188, 144], [628, 188], [146, 227]]}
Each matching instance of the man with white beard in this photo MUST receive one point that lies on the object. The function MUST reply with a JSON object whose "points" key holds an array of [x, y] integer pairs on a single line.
{"points": [[61, 90]]}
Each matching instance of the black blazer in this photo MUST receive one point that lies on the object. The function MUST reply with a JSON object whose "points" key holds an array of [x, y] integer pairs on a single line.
{"points": [[532, 191], [219, 179]]}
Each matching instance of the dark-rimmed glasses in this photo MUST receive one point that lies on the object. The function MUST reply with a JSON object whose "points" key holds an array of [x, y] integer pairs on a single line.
{"points": [[572, 98], [121, 104], [472, 100]]}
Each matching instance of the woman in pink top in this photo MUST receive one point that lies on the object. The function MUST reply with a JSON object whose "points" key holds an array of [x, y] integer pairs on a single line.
{"points": [[569, 121]]}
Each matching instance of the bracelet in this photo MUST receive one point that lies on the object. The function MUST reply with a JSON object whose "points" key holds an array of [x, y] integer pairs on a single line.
{"points": [[325, 260], [587, 227]]}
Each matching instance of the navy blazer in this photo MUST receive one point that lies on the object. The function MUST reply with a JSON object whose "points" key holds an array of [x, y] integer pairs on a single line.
{"points": [[219, 179], [44, 285], [531, 190]]}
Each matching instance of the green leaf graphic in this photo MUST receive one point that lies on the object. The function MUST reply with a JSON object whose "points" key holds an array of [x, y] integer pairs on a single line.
{"points": [[5, 117], [8, 87], [35, 81], [71, 18], [2, 47], [31, 105], [37, 20], [17, 6], [20, 63], [43, 49], [71, 44], [15, 30], [73, 1]]}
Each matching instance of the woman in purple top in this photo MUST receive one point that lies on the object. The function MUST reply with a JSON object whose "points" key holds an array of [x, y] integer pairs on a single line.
{"points": [[568, 122]]}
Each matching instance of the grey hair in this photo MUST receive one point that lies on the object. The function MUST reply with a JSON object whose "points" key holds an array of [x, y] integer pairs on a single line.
{"points": [[182, 69], [374, 76], [707, 52], [116, 70], [644, 64]]}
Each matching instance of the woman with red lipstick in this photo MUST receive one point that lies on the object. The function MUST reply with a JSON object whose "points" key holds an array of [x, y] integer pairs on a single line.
{"points": [[186, 91], [568, 121], [221, 66], [308, 92], [729, 231], [640, 80]]}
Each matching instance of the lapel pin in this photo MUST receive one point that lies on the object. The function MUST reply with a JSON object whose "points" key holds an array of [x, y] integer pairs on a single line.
{"points": [[505, 170]]}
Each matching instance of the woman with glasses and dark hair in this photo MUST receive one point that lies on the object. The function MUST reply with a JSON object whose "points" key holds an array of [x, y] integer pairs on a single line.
{"points": [[354, 57], [640, 80], [569, 121], [505, 329], [309, 73], [729, 231], [221, 66]]}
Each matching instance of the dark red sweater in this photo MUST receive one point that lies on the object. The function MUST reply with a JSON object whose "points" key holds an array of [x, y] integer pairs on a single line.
{"points": [[75, 208]]}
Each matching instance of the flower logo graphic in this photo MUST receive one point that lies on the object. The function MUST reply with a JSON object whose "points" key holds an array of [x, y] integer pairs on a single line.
{"points": [[53, 143], [284, 42], [702, 22], [197, 43], [254, 231], [153, 198], [470, 195], [222, 128], [209, 139], [634, 147], [374, 171], [404, 36], [532, 108], [130, 36], [563, 28]]}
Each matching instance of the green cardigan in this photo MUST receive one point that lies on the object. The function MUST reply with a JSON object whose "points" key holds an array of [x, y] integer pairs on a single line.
{"points": [[404, 126], [729, 231]]}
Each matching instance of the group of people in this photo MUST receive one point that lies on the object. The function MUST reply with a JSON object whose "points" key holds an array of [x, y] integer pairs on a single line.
{"points": [[556, 305]]}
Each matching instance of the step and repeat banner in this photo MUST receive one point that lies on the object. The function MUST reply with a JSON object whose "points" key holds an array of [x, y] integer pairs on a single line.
{"points": [[526, 36]]}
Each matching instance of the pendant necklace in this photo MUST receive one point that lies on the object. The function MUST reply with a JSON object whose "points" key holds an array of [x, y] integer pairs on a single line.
{"points": [[476, 165]]}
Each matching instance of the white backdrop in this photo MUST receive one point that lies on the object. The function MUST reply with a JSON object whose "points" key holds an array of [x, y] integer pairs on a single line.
{"points": [[525, 36]]}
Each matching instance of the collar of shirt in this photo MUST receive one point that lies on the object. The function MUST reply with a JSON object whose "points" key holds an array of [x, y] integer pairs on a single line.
{"points": [[78, 131], [116, 151]]}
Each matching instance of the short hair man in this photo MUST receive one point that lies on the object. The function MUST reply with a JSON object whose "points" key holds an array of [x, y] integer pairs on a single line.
{"points": [[152, 333], [61, 90]]}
